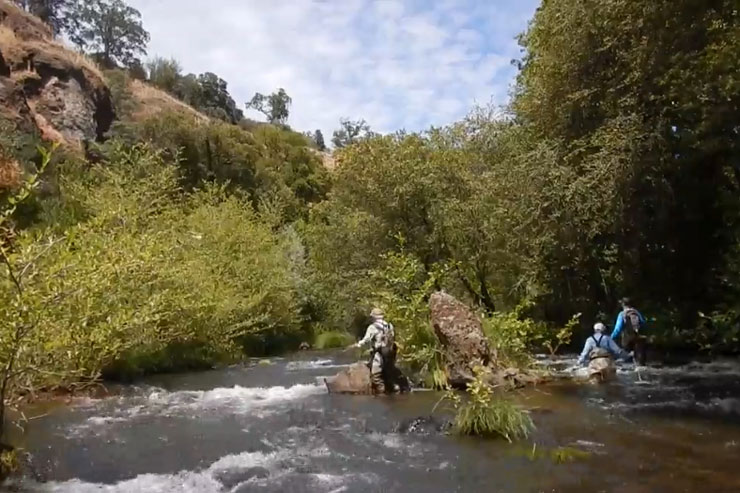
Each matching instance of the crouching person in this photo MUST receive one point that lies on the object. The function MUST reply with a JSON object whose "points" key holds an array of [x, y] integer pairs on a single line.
{"points": [[599, 353]]}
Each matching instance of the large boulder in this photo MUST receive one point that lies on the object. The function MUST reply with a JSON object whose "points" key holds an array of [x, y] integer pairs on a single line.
{"points": [[353, 380], [459, 330], [356, 380]]}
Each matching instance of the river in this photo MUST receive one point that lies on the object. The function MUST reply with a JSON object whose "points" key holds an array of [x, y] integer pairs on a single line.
{"points": [[271, 426]]}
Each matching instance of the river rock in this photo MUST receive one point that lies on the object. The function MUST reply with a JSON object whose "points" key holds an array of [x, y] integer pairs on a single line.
{"points": [[353, 380], [356, 380], [423, 425], [459, 330]]}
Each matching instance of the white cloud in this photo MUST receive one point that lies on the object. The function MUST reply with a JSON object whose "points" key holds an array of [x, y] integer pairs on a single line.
{"points": [[396, 63]]}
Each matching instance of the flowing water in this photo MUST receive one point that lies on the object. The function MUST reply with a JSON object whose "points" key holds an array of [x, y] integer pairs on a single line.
{"points": [[273, 427]]}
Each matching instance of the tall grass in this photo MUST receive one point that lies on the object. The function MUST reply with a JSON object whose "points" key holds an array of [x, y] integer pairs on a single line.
{"points": [[489, 415], [499, 417]]}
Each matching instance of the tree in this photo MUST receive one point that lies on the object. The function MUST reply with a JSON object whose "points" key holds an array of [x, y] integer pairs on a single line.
{"points": [[109, 29], [349, 132], [189, 90], [164, 73], [318, 138], [206, 92], [216, 100], [641, 103], [275, 106], [52, 12]]}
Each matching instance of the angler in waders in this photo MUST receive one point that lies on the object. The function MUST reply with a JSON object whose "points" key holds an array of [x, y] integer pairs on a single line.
{"points": [[381, 336], [599, 353], [630, 323]]}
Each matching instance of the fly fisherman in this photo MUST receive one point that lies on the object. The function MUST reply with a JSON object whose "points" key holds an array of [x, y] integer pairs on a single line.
{"points": [[599, 353], [380, 335]]}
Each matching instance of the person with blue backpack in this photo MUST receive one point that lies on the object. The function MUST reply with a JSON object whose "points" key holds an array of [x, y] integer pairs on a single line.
{"points": [[630, 323]]}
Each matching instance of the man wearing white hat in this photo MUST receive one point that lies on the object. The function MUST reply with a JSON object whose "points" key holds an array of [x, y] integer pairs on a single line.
{"points": [[599, 352]]}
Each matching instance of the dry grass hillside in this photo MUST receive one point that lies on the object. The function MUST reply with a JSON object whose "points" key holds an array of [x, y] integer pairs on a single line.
{"points": [[24, 39], [149, 101]]}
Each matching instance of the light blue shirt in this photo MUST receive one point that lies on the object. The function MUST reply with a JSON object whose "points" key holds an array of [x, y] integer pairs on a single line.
{"points": [[602, 341], [620, 323]]}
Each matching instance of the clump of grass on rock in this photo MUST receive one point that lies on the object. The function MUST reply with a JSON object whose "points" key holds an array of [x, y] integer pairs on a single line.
{"points": [[488, 415]]}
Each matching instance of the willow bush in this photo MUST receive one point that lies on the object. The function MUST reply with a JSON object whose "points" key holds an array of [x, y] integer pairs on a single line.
{"points": [[131, 267]]}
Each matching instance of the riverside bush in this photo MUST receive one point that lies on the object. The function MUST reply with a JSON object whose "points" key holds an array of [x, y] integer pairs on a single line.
{"points": [[333, 339], [134, 275]]}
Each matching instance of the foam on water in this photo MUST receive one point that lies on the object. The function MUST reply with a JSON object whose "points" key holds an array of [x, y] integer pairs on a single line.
{"points": [[313, 365], [236, 400], [226, 474]]}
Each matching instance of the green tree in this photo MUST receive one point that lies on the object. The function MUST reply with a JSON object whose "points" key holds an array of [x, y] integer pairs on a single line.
{"points": [[216, 100], [164, 73], [318, 138], [641, 102], [275, 106], [206, 92], [109, 29], [349, 132]]}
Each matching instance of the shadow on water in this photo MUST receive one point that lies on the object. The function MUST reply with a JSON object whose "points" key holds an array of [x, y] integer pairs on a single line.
{"points": [[271, 426]]}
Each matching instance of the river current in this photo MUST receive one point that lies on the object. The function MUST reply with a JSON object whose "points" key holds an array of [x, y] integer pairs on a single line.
{"points": [[271, 426]]}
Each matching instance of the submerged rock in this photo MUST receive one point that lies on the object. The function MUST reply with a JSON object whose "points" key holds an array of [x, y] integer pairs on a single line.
{"points": [[424, 425]]}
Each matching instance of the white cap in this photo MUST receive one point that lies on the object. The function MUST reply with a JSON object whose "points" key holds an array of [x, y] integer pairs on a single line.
{"points": [[599, 327]]}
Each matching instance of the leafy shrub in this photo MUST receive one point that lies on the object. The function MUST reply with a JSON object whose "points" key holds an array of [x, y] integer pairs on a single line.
{"points": [[8, 463], [137, 276], [272, 167], [515, 336], [402, 288], [333, 339]]}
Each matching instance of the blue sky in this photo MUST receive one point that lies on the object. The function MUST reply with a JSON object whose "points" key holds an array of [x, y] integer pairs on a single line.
{"points": [[397, 63]]}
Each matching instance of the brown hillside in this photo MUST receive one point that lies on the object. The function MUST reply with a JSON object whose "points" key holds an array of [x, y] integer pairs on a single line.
{"points": [[150, 101], [47, 87]]}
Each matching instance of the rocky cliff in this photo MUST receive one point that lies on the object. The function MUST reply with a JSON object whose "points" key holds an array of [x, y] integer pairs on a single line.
{"points": [[47, 88]]}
